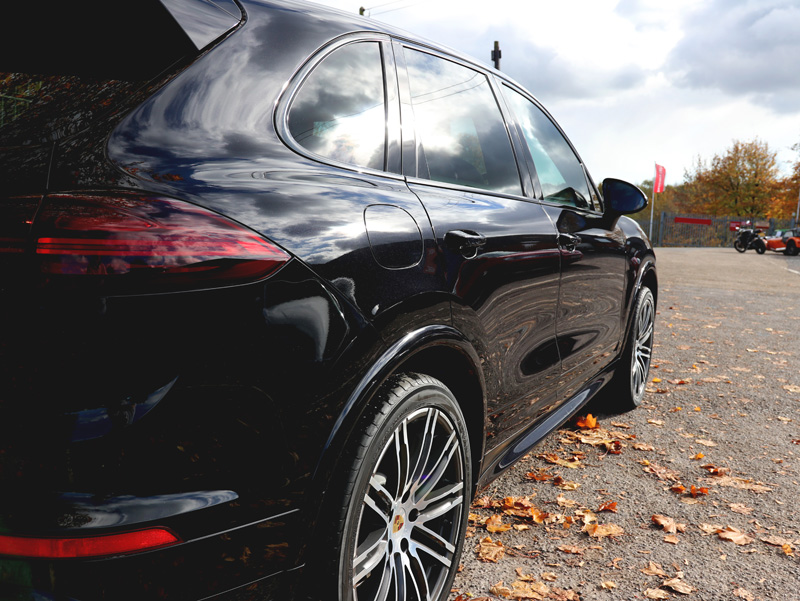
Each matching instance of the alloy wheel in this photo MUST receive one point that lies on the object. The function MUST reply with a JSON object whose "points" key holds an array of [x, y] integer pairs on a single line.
{"points": [[643, 345], [408, 529]]}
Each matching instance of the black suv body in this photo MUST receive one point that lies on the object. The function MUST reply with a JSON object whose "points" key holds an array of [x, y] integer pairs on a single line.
{"points": [[282, 288]]}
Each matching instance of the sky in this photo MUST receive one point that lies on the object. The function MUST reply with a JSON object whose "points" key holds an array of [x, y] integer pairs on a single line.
{"points": [[634, 82]]}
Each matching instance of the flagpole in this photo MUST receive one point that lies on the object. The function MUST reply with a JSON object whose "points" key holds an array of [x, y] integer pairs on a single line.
{"points": [[653, 203]]}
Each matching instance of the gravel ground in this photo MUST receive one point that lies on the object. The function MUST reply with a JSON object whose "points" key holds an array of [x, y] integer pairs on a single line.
{"points": [[722, 415]]}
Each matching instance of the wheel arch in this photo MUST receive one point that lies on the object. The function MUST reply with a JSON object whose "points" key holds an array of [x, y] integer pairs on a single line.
{"points": [[439, 351]]}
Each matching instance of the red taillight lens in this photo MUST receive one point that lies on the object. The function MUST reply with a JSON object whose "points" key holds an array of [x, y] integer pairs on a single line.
{"points": [[89, 546], [131, 243]]}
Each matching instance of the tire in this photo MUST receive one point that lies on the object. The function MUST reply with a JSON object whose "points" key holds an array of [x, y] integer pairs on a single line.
{"points": [[407, 495], [630, 380], [761, 248], [739, 246], [791, 249]]}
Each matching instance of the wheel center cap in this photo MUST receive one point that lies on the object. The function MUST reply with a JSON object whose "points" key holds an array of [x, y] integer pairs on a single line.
{"points": [[398, 524]]}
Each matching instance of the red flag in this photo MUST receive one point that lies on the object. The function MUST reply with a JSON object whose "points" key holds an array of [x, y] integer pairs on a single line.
{"points": [[661, 174]]}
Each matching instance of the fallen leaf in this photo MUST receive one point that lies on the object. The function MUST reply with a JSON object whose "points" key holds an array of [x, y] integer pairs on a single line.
{"points": [[706, 443], [742, 483], [565, 502], [571, 549], [565, 484], [662, 473], [640, 446], [495, 524], [549, 576], [735, 535], [607, 585], [653, 569], [740, 508], [603, 530], [501, 590], [488, 550], [777, 541], [679, 586], [671, 539], [588, 422], [695, 491], [698, 457], [792, 388], [669, 525], [656, 593], [710, 528], [656, 422], [540, 476], [608, 506], [553, 458], [744, 594]]}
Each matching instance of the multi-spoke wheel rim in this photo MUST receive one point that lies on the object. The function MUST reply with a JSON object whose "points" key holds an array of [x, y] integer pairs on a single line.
{"points": [[411, 512], [642, 346]]}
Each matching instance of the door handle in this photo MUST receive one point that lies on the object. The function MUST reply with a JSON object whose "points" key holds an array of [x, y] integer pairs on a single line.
{"points": [[464, 241], [568, 241]]}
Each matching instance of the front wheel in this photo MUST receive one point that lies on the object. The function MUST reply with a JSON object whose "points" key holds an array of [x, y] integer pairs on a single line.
{"points": [[737, 244], [630, 380], [407, 504], [791, 248]]}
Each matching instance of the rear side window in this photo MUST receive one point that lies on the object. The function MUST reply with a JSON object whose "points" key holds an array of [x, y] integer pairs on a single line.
{"points": [[559, 171], [339, 111], [460, 125]]}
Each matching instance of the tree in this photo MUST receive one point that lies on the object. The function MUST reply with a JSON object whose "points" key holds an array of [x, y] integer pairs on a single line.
{"points": [[744, 181], [785, 205]]}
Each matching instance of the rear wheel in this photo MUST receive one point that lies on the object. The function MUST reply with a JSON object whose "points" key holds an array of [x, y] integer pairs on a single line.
{"points": [[761, 248], [407, 498]]}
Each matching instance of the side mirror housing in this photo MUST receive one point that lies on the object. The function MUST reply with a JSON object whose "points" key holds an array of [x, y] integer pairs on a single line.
{"points": [[622, 198]]}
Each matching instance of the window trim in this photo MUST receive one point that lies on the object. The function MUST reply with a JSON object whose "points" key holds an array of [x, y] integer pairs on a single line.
{"points": [[391, 113]]}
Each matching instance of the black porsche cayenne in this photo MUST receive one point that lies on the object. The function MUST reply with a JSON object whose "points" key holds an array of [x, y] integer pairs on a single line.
{"points": [[281, 289]]}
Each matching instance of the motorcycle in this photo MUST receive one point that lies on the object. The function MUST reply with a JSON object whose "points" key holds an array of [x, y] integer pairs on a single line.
{"points": [[749, 238]]}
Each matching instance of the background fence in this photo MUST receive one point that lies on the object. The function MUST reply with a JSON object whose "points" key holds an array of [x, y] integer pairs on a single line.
{"points": [[674, 229]]}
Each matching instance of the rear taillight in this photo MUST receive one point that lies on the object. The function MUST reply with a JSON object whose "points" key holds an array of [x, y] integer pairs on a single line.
{"points": [[128, 243], [88, 546]]}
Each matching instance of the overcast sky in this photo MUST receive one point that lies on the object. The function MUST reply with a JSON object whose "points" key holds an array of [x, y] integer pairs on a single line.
{"points": [[634, 82]]}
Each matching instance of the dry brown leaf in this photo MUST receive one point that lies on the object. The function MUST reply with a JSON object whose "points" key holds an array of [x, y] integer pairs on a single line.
{"points": [[529, 590], [710, 528], [608, 506], [603, 530], [574, 463], [740, 508], [777, 541], [588, 422], [495, 523], [672, 539], [540, 475], [653, 569], [571, 549], [679, 586], [741, 483], [640, 446], [743, 593], [792, 388], [656, 593], [735, 535], [559, 594], [488, 550], [549, 576], [669, 525], [565, 484], [501, 590], [662, 473], [656, 422], [706, 443], [607, 585]]}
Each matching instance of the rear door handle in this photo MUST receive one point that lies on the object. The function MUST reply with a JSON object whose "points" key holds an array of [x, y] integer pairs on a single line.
{"points": [[464, 241], [568, 241]]}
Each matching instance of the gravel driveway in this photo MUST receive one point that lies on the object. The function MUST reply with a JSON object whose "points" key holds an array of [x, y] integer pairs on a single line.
{"points": [[699, 486]]}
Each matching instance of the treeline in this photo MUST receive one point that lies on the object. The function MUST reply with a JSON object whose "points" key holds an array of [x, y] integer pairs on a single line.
{"points": [[744, 182]]}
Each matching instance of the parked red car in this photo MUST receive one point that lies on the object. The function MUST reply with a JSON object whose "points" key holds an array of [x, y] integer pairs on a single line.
{"points": [[787, 241]]}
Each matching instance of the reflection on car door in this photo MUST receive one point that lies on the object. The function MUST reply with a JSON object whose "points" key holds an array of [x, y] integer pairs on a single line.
{"points": [[498, 250], [590, 309]]}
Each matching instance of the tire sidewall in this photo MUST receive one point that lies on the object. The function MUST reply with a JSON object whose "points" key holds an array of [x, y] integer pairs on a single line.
{"points": [[645, 295], [431, 394]]}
